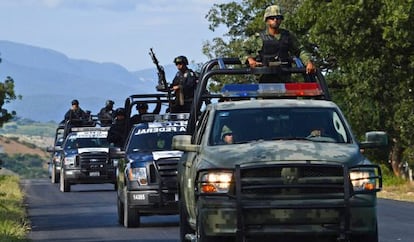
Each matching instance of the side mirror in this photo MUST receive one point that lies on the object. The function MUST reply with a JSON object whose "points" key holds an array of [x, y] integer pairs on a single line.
{"points": [[183, 142], [374, 139], [116, 153]]}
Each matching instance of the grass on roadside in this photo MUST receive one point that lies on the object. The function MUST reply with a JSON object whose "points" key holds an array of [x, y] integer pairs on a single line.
{"points": [[13, 222]]}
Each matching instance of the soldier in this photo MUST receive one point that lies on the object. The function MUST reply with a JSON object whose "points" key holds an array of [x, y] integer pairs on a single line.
{"points": [[226, 135], [184, 84], [275, 43], [106, 114], [142, 109], [118, 131], [75, 114]]}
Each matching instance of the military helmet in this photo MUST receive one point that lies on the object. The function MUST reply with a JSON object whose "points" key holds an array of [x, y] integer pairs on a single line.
{"points": [[225, 130], [120, 111], [142, 105], [109, 103], [75, 102], [273, 10], [181, 59]]}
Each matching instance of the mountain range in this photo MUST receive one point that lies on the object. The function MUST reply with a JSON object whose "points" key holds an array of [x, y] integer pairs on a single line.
{"points": [[48, 80]]}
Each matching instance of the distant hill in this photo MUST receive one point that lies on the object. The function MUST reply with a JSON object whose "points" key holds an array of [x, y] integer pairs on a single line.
{"points": [[49, 80]]}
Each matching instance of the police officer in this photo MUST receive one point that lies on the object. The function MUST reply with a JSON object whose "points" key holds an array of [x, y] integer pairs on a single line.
{"points": [[142, 109], [75, 114], [184, 84], [106, 114], [276, 44], [118, 131]]}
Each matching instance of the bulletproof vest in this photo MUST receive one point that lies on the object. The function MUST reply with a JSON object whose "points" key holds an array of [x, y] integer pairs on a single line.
{"points": [[275, 50]]}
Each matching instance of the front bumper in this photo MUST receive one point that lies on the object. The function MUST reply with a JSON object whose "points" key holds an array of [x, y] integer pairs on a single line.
{"points": [[220, 217], [154, 201], [81, 176]]}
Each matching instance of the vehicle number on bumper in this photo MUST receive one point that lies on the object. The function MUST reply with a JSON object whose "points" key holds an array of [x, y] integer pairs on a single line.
{"points": [[94, 173], [138, 196]]}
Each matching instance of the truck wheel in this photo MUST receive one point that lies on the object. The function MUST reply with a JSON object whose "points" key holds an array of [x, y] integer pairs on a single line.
{"points": [[184, 225], [131, 215], [53, 177], [64, 184], [120, 207]]}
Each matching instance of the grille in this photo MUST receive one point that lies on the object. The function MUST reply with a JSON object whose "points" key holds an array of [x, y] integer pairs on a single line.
{"points": [[93, 160], [164, 171], [304, 181]]}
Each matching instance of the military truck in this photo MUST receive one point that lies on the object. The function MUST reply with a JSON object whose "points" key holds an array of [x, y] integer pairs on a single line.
{"points": [[294, 171], [147, 166], [84, 156]]}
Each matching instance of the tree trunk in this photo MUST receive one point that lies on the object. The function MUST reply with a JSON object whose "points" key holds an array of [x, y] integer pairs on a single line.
{"points": [[397, 164]]}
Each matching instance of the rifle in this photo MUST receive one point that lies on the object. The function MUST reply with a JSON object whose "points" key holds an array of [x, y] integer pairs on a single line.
{"points": [[162, 81]]}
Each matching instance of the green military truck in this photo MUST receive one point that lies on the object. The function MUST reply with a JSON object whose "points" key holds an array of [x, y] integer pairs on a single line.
{"points": [[274, 161]]}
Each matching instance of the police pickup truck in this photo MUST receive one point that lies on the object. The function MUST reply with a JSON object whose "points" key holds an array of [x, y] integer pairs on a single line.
{"points": [[84, 158], [274, 162], [147, 169]]}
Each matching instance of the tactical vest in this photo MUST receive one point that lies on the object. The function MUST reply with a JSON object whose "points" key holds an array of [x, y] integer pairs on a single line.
{"points": [[275, 50]]}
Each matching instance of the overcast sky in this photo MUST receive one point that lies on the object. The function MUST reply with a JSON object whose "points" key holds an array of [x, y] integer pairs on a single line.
{"points": [[119, 31]]}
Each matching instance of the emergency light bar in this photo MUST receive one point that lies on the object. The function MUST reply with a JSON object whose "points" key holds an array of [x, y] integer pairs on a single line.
{"points": [[77, 129], [165, 117], [304, 89]]}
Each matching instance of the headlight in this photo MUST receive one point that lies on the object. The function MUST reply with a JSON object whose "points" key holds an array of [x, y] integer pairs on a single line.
{"points": [[363, 180], [216, 182], [70, 160], [138, 174]]}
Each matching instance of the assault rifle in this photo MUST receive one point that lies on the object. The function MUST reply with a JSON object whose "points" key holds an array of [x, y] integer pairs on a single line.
{"points": [[162, 81]]}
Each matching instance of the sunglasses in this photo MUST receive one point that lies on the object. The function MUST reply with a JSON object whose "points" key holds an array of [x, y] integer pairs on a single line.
{"points": [[278, 17]]}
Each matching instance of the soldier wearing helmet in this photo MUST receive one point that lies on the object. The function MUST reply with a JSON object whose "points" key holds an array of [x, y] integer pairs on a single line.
{"points": [[142, 109], [118, 131], [184, 84], [106, 114], [276, 43], [75, 114]]}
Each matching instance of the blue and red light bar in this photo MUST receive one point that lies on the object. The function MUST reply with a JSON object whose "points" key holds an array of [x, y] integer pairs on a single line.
{"points": [[306, 89]]}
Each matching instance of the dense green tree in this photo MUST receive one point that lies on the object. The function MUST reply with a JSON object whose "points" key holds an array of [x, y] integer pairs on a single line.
{"points": [[365, 47], [6, 95]]}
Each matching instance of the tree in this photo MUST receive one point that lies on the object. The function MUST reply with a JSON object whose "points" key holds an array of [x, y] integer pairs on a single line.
{"points": [[364, 47], [6, 96]]}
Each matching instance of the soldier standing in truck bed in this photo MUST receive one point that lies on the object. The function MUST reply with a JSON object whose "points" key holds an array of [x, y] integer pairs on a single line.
{"points": [[184, 84]]}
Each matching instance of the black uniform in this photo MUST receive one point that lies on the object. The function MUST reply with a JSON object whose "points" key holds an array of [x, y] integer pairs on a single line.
{"points": [[117, 133], [188, 82], [106, 116]]}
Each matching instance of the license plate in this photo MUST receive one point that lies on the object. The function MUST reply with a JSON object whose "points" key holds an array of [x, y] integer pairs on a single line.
{"points": [[94, 173], [138, 196]]}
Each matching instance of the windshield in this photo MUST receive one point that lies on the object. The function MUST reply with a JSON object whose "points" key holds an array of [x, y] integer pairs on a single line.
{"points": [[151, 141], [74, 142], [314, 124]]}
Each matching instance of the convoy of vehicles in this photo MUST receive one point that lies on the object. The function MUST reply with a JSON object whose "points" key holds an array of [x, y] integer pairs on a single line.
{"points": [[294, 170]]}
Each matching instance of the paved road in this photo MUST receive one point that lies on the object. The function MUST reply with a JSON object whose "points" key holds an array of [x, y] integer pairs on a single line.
{"points": [[88, 213]]}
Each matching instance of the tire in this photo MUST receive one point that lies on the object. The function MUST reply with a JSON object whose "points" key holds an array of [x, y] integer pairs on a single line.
{"points": [[64, 184], [120, 209], [131, 215], [53, 174], [185, 227]]}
